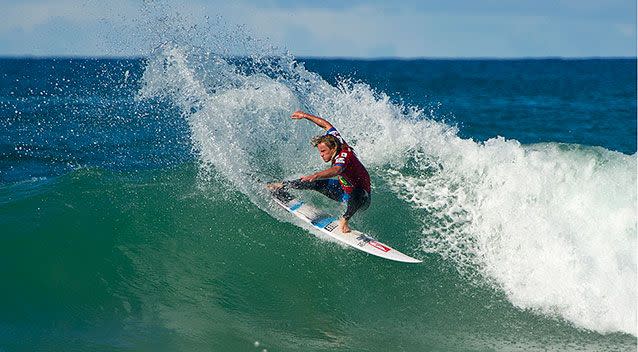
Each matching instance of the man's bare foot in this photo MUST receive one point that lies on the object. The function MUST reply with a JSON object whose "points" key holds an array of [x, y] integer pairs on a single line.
{"points": [[275, 186], [343, 224]]}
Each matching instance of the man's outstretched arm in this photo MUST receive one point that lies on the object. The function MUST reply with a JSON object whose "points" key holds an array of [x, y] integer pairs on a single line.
{"points": [[327, 173], [298, 115]]}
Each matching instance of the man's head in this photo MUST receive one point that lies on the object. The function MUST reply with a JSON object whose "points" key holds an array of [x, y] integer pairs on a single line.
{"points": [[327, 145]]}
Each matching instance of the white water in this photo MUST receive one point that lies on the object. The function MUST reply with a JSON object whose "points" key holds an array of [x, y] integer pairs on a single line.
{"points": [[553, 226]]}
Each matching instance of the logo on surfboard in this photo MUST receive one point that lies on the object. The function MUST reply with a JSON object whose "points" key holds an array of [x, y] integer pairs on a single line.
{"points": [[363, 240]]}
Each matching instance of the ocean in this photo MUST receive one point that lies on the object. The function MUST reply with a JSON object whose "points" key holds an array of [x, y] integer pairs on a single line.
{"points": [[133, 215]]}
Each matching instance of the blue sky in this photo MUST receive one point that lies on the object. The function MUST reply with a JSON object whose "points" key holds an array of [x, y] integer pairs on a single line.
{"points": [[356, 28]]}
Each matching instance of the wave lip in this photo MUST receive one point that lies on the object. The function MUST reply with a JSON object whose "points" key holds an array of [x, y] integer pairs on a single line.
{"points": [[560, 227], [551, 225]]}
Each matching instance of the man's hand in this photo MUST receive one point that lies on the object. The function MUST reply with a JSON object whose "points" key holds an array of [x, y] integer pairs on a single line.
{"points": [[275, 186], [308, 178], [298, 115]]}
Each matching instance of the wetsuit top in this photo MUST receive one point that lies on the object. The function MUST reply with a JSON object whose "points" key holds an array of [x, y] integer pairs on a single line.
{"points": [[353, 174]]}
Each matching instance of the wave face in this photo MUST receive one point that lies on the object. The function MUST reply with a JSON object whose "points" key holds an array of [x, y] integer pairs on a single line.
{"points": [[551, 225], [133, 215]]}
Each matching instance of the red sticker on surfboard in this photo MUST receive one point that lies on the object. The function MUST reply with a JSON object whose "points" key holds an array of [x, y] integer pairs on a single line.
{"points": [[380, 246]]}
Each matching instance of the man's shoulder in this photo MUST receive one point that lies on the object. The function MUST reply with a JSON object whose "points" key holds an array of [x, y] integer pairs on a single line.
{"points": [[335, 133], [342, 157], [332, 131], [346, 153]]}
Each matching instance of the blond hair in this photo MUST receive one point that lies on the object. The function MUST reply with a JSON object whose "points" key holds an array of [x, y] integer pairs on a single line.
{"points": [[329, 140]]}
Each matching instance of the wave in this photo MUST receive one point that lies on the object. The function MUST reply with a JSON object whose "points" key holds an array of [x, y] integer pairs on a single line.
{"points": [[551, 225]]}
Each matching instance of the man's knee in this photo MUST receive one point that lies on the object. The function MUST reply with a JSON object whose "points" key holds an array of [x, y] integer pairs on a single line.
{"points": [[358, 200]]}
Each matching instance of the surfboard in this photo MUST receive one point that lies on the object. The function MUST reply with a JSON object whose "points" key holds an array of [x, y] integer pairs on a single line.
{"points": [[329, 225]]}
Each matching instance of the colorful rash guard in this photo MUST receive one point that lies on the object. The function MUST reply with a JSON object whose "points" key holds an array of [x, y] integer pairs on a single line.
{"points": [[353, 174]]}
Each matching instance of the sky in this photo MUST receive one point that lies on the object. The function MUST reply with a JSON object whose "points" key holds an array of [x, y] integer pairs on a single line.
{"points": [[329, 28]]}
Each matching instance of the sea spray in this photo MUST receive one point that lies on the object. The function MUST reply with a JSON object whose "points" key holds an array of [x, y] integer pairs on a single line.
{"points": [[551, 225]]}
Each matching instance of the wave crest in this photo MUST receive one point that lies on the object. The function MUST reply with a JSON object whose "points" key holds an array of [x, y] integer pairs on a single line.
{"points": [[551, 225]]}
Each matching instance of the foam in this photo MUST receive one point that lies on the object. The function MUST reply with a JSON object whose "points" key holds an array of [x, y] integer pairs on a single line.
{"points": [[552, 225]]}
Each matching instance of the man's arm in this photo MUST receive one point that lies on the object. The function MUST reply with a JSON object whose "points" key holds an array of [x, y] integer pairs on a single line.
{"points": [[327, 173], [298, 115]]}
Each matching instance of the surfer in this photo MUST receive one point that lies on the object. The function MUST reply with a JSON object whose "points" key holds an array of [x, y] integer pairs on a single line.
{"points": [[352, 183]]}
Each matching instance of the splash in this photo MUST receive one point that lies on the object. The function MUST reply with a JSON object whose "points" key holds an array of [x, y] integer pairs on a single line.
{"points": [[551, 225]]}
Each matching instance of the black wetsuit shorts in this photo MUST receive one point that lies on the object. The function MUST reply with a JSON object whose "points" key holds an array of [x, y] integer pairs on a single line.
{"points": [[358, 199]]}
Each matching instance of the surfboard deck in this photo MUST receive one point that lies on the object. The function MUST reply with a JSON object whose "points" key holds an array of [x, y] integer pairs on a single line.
{"points": [[330, 226]]}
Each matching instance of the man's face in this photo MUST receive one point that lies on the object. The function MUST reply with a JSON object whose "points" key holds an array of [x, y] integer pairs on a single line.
{"points": [[325, 152]]}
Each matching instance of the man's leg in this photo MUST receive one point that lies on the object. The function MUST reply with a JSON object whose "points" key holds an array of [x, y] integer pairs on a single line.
{"points": [[357, 200], [330, 187]]}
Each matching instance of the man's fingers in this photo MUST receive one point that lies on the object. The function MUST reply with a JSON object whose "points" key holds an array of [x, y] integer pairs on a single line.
{"points": [[298, 114], [306, 178]]}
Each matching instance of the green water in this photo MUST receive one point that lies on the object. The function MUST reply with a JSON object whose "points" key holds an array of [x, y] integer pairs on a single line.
{"points": [[160, 261]]}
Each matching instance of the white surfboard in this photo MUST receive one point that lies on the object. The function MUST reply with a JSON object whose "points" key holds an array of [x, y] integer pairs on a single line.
{"points": [[330, 226]]}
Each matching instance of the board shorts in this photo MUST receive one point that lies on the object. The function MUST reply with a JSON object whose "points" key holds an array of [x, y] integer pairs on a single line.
{"points": [[358, 199]]}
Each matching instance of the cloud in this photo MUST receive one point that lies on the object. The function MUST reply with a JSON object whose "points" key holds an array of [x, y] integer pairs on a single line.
{"points": [[63, 27], [627, 30], [491, 28], [26, 16], [363, 31]]}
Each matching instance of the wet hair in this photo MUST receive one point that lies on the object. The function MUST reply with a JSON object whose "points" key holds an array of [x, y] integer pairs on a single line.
{"points": [[329, 140]]}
